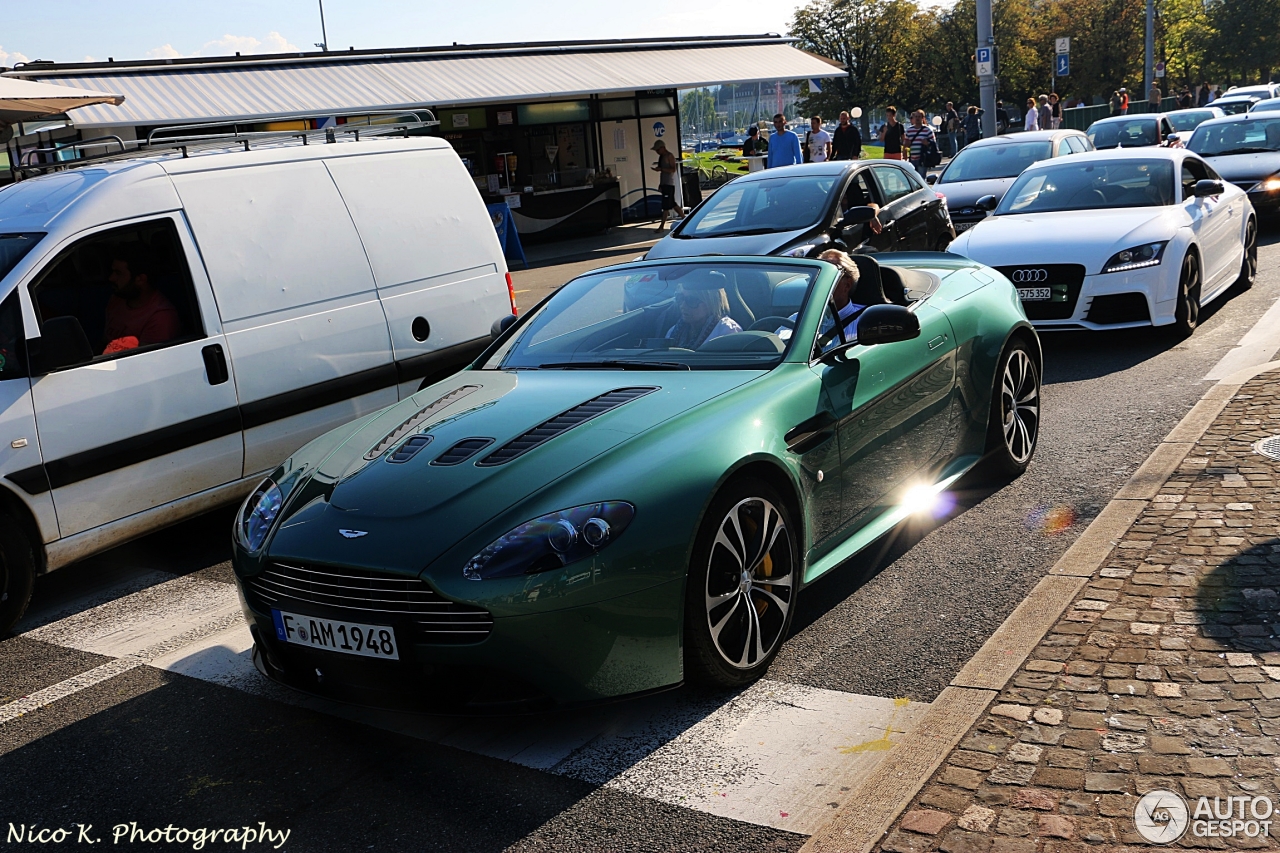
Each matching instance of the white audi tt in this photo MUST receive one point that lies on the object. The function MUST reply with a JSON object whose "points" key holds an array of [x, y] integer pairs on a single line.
{"points": [[1118, 238]]}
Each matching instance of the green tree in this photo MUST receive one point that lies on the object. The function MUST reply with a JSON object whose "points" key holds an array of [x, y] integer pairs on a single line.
{"points": [[1246, 39], [698, 109]]}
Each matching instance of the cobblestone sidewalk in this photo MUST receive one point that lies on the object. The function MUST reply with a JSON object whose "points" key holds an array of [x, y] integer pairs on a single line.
{"points": [[1164, 674]]}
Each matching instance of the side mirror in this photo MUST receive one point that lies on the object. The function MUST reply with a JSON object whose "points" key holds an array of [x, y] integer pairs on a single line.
{"points": [[1172, 139], [931, 180], [500, 325], [62, 343], [987, 202], [1206, 188], [887, 324], [857, 216]]}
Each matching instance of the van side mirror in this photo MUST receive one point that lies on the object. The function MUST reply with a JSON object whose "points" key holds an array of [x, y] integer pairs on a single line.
{"points": [[500, 325], [62, 343], [987, 202], [1206, 188], [887, 324]]}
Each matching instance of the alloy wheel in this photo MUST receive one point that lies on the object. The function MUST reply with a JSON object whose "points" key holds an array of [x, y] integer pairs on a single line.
{"points": [[750, 583], [1188, 310], [1020, 406], [1249, 269]]}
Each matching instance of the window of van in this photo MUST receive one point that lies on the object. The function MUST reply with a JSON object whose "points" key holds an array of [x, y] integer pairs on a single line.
{"points": [[117, 292], [12, 341]]}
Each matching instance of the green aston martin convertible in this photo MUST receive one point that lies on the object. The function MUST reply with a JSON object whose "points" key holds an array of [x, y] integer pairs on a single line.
{"points": [[632, 485]]}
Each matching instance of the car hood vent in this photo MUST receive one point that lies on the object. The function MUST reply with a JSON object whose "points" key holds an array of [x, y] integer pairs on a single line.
{"points": [[564, 422], [462, 451], [418, 417]]}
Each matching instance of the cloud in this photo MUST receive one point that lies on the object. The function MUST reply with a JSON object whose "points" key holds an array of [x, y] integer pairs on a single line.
{"points": [[7, 58], [229, 44]]}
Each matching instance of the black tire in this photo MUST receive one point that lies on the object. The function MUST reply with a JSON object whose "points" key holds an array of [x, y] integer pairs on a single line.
{"points": [[727, 644], [1186, 315], [1013, 426], [1249, 266], [17, 573]]}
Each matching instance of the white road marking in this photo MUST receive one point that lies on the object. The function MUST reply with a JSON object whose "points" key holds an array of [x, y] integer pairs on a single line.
{"points": [[770, 755], [1257, 346]]}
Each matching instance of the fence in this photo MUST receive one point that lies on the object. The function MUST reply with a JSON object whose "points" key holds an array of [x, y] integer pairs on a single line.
{"points": [[1079, 118]]}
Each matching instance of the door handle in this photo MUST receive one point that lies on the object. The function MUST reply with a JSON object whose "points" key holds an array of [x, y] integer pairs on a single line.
{"points": [[808, 434], [937, 342], [215, 364]]}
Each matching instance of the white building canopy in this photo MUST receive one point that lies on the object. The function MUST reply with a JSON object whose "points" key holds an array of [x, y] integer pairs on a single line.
{"points": [[271, 87]]}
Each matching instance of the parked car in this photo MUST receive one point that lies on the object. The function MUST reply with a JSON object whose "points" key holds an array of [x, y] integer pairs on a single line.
{"points": [[989, 166], [1154, 235], [1262, 90], [799, 211], [1130, 131], [1238, 103], [171, 326], [1185, 121], [1245, 150], [1266, 106], [593, 509]]}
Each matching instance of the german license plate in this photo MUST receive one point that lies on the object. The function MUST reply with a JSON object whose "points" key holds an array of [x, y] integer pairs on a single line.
{"points": [[1034, 294], [352, 638]]}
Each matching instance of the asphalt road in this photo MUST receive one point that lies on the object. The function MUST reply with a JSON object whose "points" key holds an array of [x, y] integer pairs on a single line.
{"points": [[196, 740]]}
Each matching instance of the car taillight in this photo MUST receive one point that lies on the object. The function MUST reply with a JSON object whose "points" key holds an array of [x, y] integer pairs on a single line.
{"points": [[941, 196], [511, 292]]}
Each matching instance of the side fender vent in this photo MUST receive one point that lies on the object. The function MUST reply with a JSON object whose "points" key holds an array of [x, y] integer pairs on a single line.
{"points": [[417, 418], [462, 451], [564, 422]]}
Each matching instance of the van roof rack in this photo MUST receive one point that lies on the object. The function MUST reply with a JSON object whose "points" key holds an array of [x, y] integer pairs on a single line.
{"points": [[376, 123]]}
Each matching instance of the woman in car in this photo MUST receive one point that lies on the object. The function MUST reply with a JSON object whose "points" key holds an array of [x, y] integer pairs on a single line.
{"points": [[704, 315]]}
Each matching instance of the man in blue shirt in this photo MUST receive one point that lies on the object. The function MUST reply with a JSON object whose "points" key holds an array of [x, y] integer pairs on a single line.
{"points": [[784, 146]]}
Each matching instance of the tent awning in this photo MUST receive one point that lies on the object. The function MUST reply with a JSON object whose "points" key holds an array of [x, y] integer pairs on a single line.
{"points": [[261, 89], [26, 100]]}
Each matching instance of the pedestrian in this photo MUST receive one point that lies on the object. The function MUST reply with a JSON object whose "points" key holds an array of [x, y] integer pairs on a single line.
{"points": [[784, 147], [1116, 102], [1055, 108], [1186, 100], [891, 133], [972, 124], [846, 142], [1124, 101], [951, 129], [751, 147], [666, 169], [1032, 119], [1154, 97], [1214, 94], [1202, 97], [817, 142], [1044, 117], [1002, 118], [919, 138]]}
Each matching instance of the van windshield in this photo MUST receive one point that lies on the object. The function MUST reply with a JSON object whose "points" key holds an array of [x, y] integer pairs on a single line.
{"points": [[13, 248]]}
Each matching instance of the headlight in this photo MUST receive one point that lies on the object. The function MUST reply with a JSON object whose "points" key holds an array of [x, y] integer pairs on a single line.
{"points": [[551, 541], [1146, 255], [1268, 185], [258, 514], [798, 252]]}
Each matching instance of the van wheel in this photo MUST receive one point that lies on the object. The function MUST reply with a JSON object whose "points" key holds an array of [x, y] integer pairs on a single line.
{"points": [[17, 573], [741, 591]]}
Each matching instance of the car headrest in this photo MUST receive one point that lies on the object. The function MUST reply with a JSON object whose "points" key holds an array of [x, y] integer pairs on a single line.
{"points": [[894, 289], [704, 280], [870, 287]]}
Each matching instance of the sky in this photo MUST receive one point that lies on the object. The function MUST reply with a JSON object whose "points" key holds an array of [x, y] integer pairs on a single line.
{"points": [[93, 30]]}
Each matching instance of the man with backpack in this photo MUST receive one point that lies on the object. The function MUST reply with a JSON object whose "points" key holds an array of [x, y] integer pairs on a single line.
{"points": [[921, 143]]}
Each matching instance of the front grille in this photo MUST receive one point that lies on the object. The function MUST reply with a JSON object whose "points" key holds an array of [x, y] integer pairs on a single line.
{"points": [[563, 422], [357, 595], [1063, 280], [1119, 308]]}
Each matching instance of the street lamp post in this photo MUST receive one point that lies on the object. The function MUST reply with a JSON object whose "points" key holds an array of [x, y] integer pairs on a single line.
{"points": [[324, 36], [987, 82], [1148, 70]]}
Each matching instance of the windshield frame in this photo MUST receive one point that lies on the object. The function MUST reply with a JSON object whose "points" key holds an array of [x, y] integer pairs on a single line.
{"points": [[687, 228], [7, 263], [943, 179], [499, 355], [1242, 119], [1069, 163]]}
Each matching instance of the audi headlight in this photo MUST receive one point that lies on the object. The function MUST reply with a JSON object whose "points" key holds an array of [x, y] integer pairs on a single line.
{"points": [[798, 251], [1268, 185], [258, 515], [551, 541], [1146, 255]]}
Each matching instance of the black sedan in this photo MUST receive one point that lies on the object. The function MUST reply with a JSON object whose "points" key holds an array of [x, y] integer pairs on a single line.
{"points": [[987, 168], [798, 211], [1245, 150]]}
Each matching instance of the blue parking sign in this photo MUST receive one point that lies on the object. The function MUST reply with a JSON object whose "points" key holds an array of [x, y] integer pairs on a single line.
{"points": [[1062, 68]]}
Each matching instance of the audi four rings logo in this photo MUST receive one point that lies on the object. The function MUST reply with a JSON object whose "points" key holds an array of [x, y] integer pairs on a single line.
{"points": [[1030, 276]]}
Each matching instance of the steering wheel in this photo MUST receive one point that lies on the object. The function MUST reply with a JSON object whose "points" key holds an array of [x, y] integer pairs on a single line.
{"points": [[771, 324]]}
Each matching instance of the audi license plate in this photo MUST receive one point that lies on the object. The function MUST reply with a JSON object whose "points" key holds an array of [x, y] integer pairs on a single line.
{"points": [[1035, 294], [352, 638]]}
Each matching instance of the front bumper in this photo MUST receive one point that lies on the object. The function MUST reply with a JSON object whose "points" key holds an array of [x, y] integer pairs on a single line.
{"points": [[1265, 203], [1124, 300], [616, 647]]}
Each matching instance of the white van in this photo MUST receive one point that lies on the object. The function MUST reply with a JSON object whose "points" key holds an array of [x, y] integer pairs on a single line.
{"points": [[172, 327]]}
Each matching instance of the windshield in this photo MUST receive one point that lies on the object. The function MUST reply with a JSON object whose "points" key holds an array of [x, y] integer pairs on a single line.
{"points": [[763, 206], [1243, 136], [1235, 108], [1266, 106], [1005, 160], [1126, 133], [1183, 122], [13, 247], [1077, 185], [678, 316]]}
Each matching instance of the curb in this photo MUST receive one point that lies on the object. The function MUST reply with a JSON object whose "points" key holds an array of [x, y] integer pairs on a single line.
{"points": [[871, 806]]}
